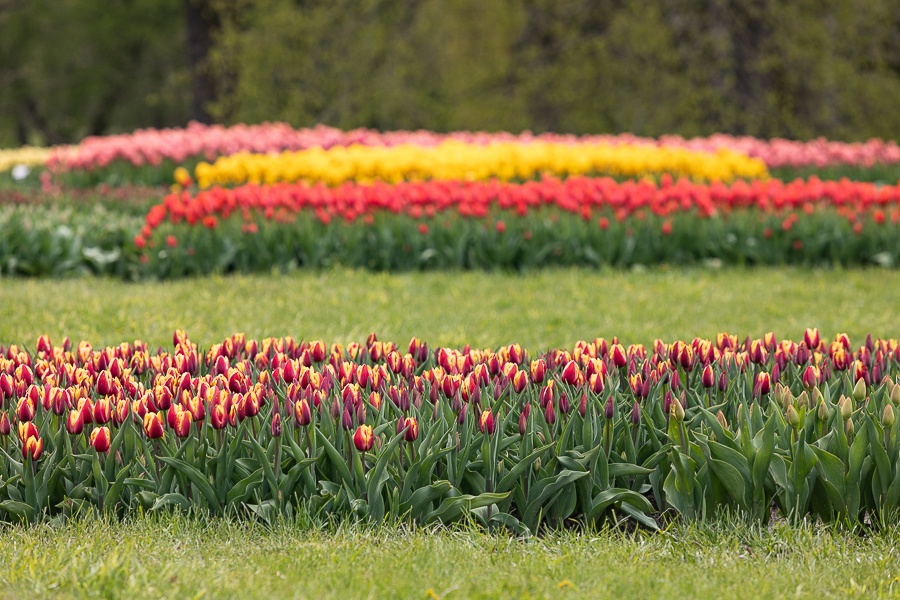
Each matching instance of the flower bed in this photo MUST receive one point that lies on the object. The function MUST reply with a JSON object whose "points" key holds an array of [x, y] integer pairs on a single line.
{"points": [[376, 432]]}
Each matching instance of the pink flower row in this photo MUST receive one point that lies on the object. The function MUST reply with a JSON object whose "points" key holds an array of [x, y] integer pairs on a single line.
{"points": [[152, 146]]}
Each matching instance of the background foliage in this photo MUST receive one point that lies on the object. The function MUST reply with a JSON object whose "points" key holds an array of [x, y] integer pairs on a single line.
{"points": [[775, 68]]}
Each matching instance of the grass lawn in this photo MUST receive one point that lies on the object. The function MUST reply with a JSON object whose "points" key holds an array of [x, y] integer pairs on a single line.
{"points": [[186, 558], [538, 310]]}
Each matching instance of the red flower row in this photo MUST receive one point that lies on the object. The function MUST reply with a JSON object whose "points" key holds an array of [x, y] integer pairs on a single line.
{"points": [[579, 195]]}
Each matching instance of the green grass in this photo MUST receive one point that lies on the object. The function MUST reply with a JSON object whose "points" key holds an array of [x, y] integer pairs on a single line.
{"points": [[189, 558], [539, 310]]}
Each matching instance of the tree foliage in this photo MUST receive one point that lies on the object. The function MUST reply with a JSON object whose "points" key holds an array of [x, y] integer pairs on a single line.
{"points": [[796, 69]]}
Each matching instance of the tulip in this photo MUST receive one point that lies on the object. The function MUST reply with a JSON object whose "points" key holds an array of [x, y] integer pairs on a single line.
{"points": [[520, 381], [486, 423], [571, 373], [677, 410], [550, 414], [811, 337], [859, 390], [609, 409], [102, 411], [75, 422], [25, 410], [411, 425], [276, 425], [302, 414], [617, 352], [100, 439], [218, 417], [888, 417], [27, 430], [153, 426], [708, 377], [720, 417], [523, 419], [183, 422], [846, 406], [793, 417], [5, 427], [636, 413], [363, 438], [197, 408], [538, 371], [33, 448]]}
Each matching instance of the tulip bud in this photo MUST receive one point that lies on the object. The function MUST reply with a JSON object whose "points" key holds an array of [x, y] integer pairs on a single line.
{"points": [[5, 427], [720, 417], [564, 403], [677, 410], [887, 417], [347, 419], [582, 406], [846, 408], [817, 397], [550, 414], [803, 400], [609, 409], [364, 438], [793, 417], [412, 429], [523, 419], [859, 390], [895, 394], [537, 464], [822, 411], [635, 413], [276, 425], [708, 377], [486, 423], [100, 439], [302, 413], [848, 428]]}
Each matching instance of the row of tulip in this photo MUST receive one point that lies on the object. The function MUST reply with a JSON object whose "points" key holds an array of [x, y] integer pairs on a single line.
{"points": [[152, 146], [72, 238], [376, 432], [468, 162]]}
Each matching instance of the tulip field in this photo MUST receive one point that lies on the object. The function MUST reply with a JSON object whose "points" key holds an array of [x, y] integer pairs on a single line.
{"points": [[260, 360], [161, 204]]}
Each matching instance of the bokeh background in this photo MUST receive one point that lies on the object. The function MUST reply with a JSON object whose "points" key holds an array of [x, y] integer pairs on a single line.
{"points": [[767, 68]]}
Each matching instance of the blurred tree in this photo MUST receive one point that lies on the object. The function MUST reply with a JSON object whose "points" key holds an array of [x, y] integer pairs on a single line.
{"points": [[793, 68]]}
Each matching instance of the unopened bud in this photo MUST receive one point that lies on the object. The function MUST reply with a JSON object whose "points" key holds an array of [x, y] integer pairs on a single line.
{"points": [[848, 428], [677, 410], [846, 408], [859, 390], [817, 397], [793, 417], [887, 417], [895, 394], [537, 464], [803, 400], [720, 417], [823, 411]]}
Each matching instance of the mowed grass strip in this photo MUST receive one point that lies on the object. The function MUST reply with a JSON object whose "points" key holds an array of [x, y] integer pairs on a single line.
{"points": [[184, 557], [550, 308]]}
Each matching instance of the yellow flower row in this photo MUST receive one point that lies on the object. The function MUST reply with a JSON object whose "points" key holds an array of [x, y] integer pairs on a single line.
{"points": [[460, 161], [28, 156]]}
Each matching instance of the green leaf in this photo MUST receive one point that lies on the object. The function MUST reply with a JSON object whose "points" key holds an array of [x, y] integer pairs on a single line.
{"points": [[453, 508], [244, 488], [198, 479], [423, 497]]}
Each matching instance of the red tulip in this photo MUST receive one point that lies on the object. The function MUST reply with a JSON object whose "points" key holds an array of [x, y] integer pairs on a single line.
{"points": [[153, 426], [100, 439], [363, 438], [75, 422], [33, 447], [412, 429], [486, 423]]}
